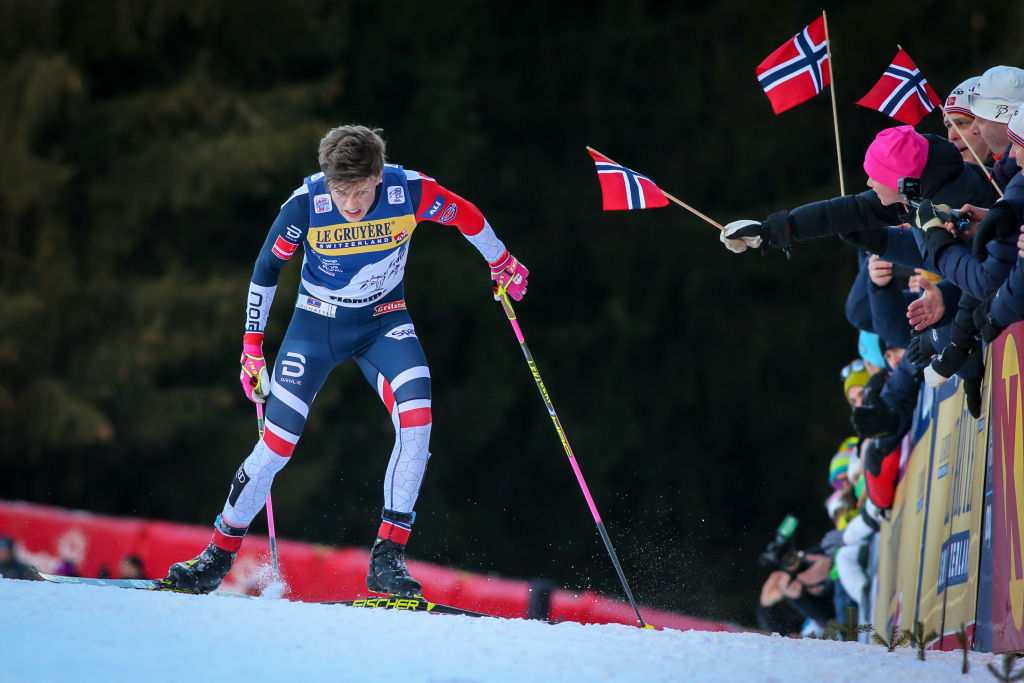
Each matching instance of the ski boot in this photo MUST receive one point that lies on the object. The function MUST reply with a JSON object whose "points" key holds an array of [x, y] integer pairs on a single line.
{"points": [[201, 574], [388, 573]]}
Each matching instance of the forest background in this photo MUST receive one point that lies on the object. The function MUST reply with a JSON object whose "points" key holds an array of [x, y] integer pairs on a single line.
{"points": [[147, 147]]}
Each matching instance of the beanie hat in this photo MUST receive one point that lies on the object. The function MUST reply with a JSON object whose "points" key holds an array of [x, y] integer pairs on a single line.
{"points": [[1015, 129], [958, 100], [854, 375], [837, 468], [999, 91], [870, 348], [896, 153]]}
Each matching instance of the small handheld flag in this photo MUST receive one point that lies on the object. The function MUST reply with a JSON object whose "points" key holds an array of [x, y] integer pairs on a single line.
{"points": [[902, 93], [623, 189], [798, 70]]}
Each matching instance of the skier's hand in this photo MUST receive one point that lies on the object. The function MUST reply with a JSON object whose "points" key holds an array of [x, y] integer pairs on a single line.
{"points": [[739, 235], [509, 273], [254, 377]]}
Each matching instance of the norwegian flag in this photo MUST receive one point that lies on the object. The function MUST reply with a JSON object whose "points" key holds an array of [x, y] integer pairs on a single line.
{"points": [[902, 93], [623, 189], [798, 70]]}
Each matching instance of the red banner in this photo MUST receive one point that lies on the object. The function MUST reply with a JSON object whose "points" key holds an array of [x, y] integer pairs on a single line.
{"points": [[1007, 523], [47, 537]]}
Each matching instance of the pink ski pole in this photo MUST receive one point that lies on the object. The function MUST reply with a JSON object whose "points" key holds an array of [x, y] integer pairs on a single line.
{"points": [[270, 507], [501, 295]]}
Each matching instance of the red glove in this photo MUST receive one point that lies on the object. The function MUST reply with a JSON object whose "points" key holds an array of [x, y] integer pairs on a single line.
{"points": [[254, 376], [510, 275]]}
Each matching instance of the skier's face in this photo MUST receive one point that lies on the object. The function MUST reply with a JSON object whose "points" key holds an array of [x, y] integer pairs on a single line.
{"points": [[355, 200]]}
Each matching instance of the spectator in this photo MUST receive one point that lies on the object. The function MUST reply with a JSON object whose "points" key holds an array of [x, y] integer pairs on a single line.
{"points": [[959, 119], [66, 568], [855, 376], [131, 567], [895, 153], [999, 91]]}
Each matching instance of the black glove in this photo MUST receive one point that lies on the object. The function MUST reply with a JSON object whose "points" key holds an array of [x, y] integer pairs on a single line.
{"points": [[964, 341], [874, 419], [920, 349], [972, 392], [1000, 223], [987, 325], [933, 233]]}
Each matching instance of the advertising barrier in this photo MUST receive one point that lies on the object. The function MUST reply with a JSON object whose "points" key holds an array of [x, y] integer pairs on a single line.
{"points": [[47, 537], [950, 554]]}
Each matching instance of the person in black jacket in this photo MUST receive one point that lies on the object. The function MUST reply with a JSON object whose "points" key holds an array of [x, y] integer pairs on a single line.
{"points": [[895, 153]]}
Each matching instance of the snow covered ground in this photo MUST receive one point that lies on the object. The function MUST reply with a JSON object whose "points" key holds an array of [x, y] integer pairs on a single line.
{"points": [[51, 632]]}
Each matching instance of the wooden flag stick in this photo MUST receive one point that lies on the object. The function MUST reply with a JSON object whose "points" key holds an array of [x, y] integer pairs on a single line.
{"points": [[835, 115], [667, 195]]}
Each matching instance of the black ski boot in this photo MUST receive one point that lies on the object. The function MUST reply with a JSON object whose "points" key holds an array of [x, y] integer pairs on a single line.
{"points": [[388, 573], [201, 574]]}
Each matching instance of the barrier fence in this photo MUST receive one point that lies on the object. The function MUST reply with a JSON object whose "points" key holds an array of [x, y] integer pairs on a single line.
{"points": [[45, 536], [950, 555]]}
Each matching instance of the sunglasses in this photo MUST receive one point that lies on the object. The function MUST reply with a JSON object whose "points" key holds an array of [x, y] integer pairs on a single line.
{"points": [[855, 366]]}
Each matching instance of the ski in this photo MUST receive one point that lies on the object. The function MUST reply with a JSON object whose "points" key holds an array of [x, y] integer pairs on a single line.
{"points": [[137, 584], [398, 602], [392, 602]]}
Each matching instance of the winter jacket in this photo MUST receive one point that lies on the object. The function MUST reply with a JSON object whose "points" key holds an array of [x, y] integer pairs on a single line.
{"points": [[1005, 169], [946, 179], [1008, 302], [858, 308]]}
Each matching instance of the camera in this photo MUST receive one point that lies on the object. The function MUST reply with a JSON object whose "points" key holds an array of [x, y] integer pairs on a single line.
{"points": [[781, 553], [910, 188]]}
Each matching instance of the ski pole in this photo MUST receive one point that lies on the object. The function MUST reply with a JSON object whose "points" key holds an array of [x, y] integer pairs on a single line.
{"points": [[270, 507], [501, 295]]}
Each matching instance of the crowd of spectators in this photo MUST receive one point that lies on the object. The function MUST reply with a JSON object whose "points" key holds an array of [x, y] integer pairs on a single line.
{"points": [[940, 276]]}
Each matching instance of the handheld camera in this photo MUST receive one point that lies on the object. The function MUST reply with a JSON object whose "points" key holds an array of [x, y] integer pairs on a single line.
{"points": [[911, 189], [781, 553]]}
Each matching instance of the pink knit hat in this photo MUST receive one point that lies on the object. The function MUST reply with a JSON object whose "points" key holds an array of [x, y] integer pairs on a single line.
{"points": [[896, 153]]}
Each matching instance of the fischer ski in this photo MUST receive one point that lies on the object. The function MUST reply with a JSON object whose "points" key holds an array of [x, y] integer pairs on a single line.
{"points": [[391, 602], [398, 602]]}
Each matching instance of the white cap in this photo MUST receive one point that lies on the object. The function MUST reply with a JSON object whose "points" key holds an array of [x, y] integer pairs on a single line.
{"points": [[834, 503], [957, 102], [1000, 90], [1015, 129]]}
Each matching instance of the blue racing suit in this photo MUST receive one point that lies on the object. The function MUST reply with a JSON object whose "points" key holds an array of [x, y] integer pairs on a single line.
{"points": [[350, 305]]}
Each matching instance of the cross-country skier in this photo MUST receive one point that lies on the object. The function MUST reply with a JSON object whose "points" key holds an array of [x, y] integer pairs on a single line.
{"points": [[354, 221]]}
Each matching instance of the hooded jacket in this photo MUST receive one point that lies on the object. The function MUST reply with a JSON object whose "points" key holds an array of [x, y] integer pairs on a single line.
{"points": [[946, 179]]}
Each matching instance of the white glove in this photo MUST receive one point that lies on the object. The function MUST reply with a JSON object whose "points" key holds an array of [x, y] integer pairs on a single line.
{"points": [[739, 244], [933, 378]]}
